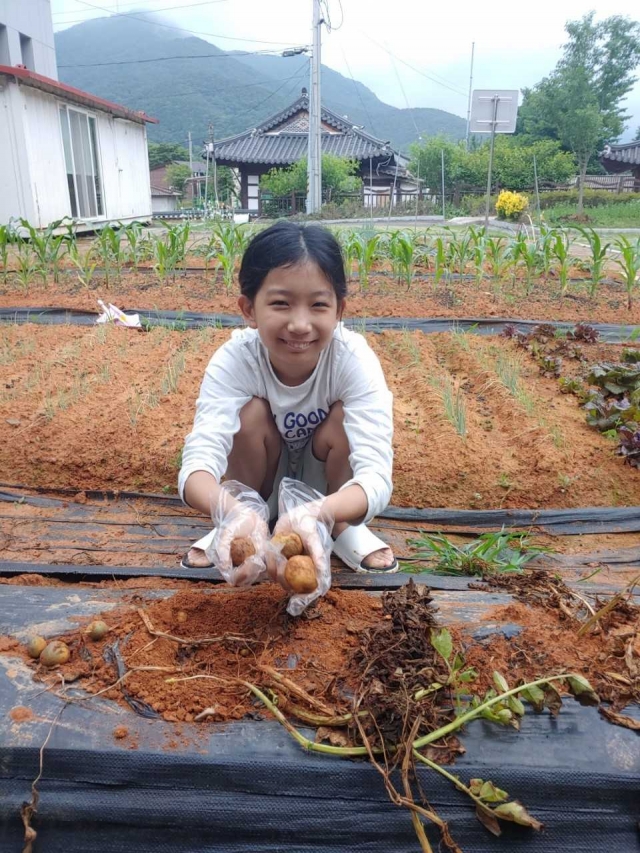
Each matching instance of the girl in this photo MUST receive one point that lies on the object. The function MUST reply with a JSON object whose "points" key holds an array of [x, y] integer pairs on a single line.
{"points": [[295, 394]]}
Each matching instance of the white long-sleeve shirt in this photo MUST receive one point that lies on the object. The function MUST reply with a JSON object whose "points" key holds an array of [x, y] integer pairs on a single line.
{"points": [[348, 371]]}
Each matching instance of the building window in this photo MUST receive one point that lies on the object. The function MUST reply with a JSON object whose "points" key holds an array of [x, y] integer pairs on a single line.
{"points": [[80, 143], [26, 51], [4, 46]]}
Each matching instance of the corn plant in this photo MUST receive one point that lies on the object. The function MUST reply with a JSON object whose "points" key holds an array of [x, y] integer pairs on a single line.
{"points": [[27, 265], [545, 241], [598, 258], [178, 238], [629, 263], [497, 256], [138, 245], [402, 247], [226, 246], [526, 255], [7, 237], [84, 262], [439, 259], [560, 250], [461, 250], [366, 253], [109, 250]]}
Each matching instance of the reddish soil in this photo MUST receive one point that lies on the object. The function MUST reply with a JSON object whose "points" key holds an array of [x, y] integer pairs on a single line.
{"points": [[21, 714], [384, 297], [251, 629], [108, 408]]}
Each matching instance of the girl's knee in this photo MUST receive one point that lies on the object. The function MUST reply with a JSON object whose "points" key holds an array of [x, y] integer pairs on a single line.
{"points": [[330, 435], [256, 417]]}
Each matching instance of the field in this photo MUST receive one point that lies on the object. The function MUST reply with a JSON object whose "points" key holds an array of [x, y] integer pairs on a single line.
{"points": [[516, 495]]}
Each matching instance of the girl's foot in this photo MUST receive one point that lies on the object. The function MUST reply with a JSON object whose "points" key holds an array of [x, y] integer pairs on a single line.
{"points": [[380, 560]]}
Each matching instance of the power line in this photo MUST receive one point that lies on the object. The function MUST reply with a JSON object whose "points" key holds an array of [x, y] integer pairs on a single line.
{"points": [[355, 86], [433, 79], [173, 27], [150, 11], [171, 58], [303, 72]]}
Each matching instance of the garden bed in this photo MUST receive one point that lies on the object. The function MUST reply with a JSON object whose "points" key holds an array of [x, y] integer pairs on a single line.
{"points": [[476, 425]]}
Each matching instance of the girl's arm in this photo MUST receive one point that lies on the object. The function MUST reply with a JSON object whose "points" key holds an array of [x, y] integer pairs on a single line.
{"points": [[349, 504], [201, 491]]}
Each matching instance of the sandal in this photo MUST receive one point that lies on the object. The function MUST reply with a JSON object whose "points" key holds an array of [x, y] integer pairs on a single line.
{"points": [[202, 545], [355, 544]]}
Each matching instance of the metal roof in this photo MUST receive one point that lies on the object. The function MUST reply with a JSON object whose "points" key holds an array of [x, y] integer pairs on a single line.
{"points": [[266, 145], [54, 87], [628, 153]]}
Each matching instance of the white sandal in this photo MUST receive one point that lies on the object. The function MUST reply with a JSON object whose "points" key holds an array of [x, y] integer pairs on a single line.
{"points": [[202, 545], [355, 543]]}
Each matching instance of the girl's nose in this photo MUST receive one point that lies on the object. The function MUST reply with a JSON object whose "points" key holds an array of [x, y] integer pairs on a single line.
{"points": [[299, 323]]}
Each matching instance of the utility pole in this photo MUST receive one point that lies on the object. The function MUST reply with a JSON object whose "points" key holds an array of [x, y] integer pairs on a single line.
{"points": [[473, 47], [314, 160]]}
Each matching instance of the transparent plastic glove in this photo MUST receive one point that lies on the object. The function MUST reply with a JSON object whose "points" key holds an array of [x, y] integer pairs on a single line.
{"points": [[300, 511], [240, 512]]}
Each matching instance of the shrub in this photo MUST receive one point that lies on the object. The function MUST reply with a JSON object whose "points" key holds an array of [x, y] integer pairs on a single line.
{"points": [[511, 205], [592, 198]]}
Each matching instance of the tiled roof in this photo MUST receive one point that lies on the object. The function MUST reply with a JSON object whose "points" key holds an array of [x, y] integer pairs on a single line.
{"points": [[287, 148], [70, 93], [628, 153], [265, 144]]}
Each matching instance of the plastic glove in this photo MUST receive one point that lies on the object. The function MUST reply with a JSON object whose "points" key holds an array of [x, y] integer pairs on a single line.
{"points": [[240, 512], [301, 512]]}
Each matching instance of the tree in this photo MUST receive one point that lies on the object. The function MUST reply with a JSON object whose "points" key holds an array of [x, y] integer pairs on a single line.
{"points": [[636, 138], [161, 153], [512, 163], [338, 175], [177, 175], [579, 104]]}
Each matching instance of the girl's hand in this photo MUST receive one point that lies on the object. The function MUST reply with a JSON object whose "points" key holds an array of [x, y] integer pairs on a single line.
{"points": [[303, 520], [240, 513]]}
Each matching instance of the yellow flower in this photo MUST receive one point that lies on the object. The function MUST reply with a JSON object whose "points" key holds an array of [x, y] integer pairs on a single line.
{"points": [[510, 205]]}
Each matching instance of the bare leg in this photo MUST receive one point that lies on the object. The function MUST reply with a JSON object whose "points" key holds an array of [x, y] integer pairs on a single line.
{"points": [[331, 445], [253, 459]]}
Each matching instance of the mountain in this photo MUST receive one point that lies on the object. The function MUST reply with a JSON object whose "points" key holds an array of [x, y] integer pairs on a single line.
{"points": [[196, 84]]}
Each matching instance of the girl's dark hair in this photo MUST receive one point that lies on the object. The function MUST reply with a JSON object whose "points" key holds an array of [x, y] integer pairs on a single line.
{"points": [[287, 244]]}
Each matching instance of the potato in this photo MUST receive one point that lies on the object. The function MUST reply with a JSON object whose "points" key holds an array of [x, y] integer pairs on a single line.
{"points": [[300, 575], [55, 653], [241, 549], [97, 630], [35, 646], [291, 544]]}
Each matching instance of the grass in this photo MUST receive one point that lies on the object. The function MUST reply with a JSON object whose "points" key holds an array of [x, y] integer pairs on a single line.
{"points": [[507, 369], [490, 553], [453, 402], [621, 215]]}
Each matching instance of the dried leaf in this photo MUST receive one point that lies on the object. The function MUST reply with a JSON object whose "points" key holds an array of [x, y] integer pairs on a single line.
{"points": [[552, 699], [516, 812], [336, 737], [620, 719], [486, 818]]}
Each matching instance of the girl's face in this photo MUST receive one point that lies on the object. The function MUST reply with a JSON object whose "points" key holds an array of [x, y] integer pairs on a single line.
{"points": [[295, 312]]}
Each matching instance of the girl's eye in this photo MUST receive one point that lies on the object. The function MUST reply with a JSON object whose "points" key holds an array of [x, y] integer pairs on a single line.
{"points": [[321, 305], [278, 302]]}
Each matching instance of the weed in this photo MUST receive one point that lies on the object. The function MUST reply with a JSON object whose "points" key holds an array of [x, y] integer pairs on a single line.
{"points": [[491, 553], [453, 402]]}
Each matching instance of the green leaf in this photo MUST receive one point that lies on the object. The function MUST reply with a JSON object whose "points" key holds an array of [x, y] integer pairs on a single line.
{"points": [[442, 643], [516, 706], [468, 675], [516, 812], [500, 682], [582, 690], [491, 794]]}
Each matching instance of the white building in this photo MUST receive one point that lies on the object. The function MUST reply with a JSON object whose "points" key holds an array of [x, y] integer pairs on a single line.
{"points": [[63, 152]]}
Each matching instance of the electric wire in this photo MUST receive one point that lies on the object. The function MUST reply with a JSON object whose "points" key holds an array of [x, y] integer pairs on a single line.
{"points": [[115, 14], [220, 55], [180, 29]]}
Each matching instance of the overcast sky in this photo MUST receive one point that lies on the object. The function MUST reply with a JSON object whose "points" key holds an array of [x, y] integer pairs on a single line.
{"points": [[515, 46]]}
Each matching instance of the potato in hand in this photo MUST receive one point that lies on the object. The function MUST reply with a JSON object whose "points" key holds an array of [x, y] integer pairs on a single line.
{"points": [[241, 549], [291, 544], [300, 575]]}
